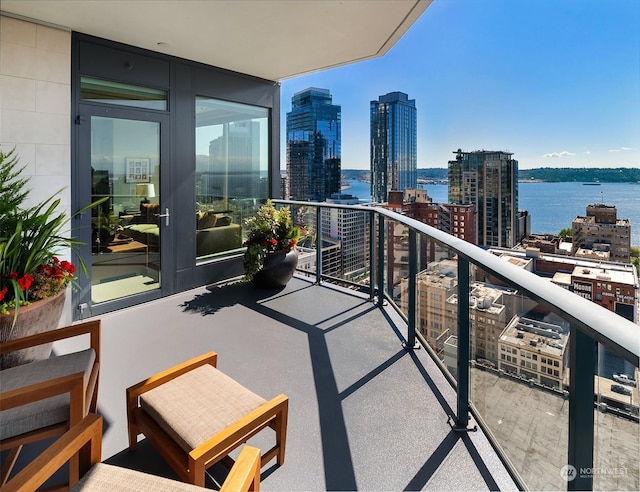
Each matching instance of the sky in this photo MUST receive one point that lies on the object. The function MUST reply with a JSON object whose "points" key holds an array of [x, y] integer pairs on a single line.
{"points": [[555, 82]]}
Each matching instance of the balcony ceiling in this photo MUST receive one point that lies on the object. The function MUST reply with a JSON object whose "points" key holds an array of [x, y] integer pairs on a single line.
{"points": [[272, 39]]}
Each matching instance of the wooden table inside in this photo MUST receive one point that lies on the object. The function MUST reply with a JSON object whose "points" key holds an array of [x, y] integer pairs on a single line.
{"points": [[129, 247]]}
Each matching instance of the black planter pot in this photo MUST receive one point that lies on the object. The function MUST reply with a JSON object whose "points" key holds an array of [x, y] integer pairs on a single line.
{"points": [[278, 269]]}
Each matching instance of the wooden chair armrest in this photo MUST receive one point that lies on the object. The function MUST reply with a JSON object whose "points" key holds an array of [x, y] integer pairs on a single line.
{"points": [[88, 327], [171, 373], [87, 431], [71, 383], [228, 439], [245, 474]]}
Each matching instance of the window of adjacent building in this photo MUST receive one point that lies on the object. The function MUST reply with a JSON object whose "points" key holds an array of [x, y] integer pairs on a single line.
{"points": [[232, 154], [105, 91]]}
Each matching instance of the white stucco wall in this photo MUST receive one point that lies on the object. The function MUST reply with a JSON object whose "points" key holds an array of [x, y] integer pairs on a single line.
{"points": [[35, 106]]}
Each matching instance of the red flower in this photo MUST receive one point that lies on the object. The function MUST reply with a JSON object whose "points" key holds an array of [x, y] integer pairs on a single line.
{"points": [[274, 241], [25, 282], [265, 243], [3, 292], [68, 266], [292, 243]]}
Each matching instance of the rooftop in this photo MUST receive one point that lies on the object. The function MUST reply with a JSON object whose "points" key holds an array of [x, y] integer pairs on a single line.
{"points": [[527, 333]]}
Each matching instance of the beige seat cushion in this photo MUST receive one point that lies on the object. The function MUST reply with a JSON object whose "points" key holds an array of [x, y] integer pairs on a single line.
{"points": [[50, 411], [115, 479], [197, 405]]}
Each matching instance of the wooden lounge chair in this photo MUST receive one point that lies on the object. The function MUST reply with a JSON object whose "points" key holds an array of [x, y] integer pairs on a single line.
{"points": [[96, 476], [195, 415], [45, 398]]}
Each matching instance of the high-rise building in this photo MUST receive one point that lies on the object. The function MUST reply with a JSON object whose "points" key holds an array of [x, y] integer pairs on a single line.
{"points": [[602, 231], [313, 145], [350, 229], [488, 180], [393, 145], [234, 162]]}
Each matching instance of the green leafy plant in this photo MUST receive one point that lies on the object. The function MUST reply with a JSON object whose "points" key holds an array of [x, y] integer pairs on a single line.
{"points": [[270, 230], [107, 222], [30, 241]]}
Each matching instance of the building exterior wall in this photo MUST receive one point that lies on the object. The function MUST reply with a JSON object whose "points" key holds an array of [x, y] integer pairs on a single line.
{"points": [[457, 220], [313, 145], [349, 228], [35, 78], [534, 350], [488, 180], [614, 290], [393, 145], [433, 287], [601, 230]]}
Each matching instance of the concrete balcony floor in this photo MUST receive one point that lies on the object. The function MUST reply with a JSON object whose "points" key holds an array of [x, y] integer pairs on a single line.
{"points": [[364, 414]]}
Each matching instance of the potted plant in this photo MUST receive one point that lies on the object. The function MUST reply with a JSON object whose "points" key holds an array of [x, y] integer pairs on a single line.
{"points": [[271, 257], [106, 225], [33, 280]]}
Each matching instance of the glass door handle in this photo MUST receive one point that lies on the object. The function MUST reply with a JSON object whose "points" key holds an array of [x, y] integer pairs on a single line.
{"points": [[166, 216]]}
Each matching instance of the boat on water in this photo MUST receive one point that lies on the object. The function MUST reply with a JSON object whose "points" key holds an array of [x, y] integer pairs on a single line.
{"points": [[592, 184]]}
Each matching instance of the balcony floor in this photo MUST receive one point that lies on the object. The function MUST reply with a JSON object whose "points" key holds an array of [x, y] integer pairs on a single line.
{"points": [[363, 413]]}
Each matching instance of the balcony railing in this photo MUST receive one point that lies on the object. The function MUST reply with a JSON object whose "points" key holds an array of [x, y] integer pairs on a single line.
{"points": [[531, 361]]}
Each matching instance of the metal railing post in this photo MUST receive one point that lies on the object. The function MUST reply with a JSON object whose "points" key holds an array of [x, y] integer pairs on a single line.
{"points": [[380, 271], [582, 363], [462, 419], [372, 254], [413, 273], [318, 245]]}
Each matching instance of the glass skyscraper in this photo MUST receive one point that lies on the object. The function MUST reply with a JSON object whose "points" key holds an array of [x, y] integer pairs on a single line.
{"points": [[488, 180], [313, 145], [393, 145]]}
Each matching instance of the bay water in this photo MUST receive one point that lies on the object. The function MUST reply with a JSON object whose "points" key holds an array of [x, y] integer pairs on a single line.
{"points": [[552, 206]]}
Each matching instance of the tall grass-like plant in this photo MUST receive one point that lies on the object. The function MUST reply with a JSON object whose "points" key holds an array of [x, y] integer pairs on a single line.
{"points": [[30, 240]]}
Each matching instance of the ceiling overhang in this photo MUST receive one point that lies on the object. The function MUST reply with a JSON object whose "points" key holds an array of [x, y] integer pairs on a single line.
{"points": [[271, 39]]}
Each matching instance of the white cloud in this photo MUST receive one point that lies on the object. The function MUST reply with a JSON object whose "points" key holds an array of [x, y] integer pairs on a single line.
{"points": [[587, 152], [564, 153], [621, 149]]}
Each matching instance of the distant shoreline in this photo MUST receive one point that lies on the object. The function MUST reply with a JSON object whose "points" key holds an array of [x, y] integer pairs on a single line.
{"points": [[629, 175]]}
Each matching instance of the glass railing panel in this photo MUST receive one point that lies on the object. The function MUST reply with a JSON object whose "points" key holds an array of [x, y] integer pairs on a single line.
{"points": [[518, 379], [397, 264], [616, 463], [345, 235], [436, 300], [305, 217]]}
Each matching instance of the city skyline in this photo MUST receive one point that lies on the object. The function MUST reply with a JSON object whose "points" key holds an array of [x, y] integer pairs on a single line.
{"points": [[554, 83]]}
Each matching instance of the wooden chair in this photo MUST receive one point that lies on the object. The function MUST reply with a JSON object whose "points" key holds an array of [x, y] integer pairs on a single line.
{"points": [[45, 398], [195, 415], [96, 476]]}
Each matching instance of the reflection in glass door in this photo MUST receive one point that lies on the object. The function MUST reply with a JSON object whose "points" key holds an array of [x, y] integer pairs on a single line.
{"points": [[125, 229]]}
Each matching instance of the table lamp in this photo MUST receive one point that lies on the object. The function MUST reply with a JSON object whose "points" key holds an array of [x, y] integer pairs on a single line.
{"points": [[146, 191]]}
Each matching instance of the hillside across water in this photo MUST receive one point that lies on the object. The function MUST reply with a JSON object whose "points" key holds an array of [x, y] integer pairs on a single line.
{"points": [[544, 174]]}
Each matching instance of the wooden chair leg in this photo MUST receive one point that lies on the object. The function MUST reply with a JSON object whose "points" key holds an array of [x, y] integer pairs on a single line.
{"points": [[196, 472], [8, 464], [281, 434], [133, 437]]}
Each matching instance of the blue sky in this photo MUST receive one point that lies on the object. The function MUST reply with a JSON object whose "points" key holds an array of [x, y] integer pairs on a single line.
{"points": [[556, 82]]}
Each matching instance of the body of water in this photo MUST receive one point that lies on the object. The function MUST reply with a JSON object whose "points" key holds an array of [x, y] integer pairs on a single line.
{"points": [[552, 206]]}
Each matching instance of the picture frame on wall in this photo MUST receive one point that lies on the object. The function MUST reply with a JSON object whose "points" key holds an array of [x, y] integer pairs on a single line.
{"points": [[137, 170]]}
